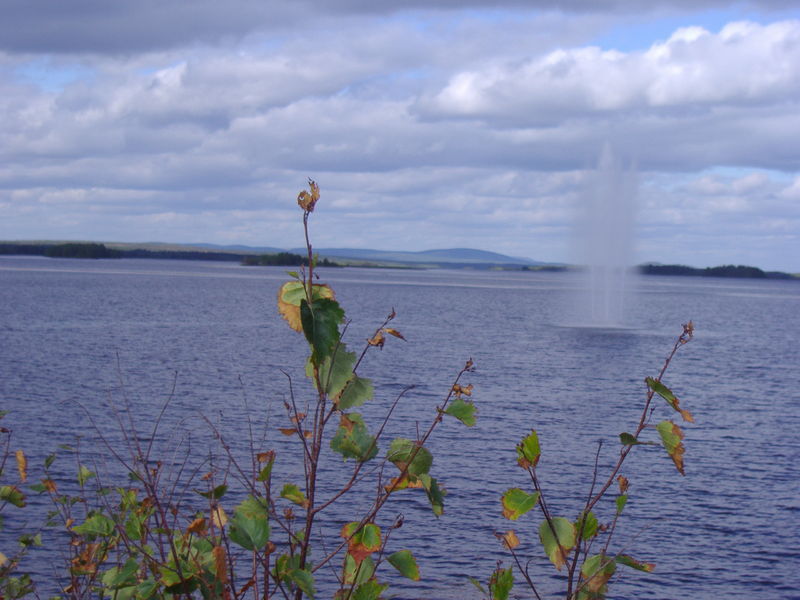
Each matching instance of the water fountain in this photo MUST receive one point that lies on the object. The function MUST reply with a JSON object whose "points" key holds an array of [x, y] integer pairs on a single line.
{"points": [[605, 240]]}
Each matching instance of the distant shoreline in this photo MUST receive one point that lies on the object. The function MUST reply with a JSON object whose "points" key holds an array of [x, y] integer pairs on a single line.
{"points": [[94, 250]]}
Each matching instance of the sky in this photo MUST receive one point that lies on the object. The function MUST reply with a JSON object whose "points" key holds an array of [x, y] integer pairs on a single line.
{"points": [[497, 125]]}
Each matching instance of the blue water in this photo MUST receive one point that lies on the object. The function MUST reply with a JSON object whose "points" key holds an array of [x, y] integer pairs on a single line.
{"points": [[77, 337]]}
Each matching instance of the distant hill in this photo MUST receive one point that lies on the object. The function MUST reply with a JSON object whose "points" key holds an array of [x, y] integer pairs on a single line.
{"points": [[445, 258], [449, 257]]}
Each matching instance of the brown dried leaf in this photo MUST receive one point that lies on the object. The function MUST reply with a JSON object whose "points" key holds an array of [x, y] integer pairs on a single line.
{"points": [[394, 332], [264, 457], [307, 200], [198, 526], [220, 564], [465, 390], [50, 485], [377, 340], [287, 430], [623, 484]]}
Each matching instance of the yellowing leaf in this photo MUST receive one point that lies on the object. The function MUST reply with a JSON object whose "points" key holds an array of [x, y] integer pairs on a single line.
{"points": [[596, 572], [398, 483], [528, 451], [624, 559], [361, 542], [558, 538], [218, 517], [509, 539], [22, 465], [517, 502], [394, 332], [672, 436], [663, 391], [293, 493], [292, 293]]}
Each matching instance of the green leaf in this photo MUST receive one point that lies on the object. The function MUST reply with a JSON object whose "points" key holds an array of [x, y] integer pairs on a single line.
{"points": [[557, 546], [477, 584], [435, 493], [500, 584], [369, 590], [146, 589], [96, 525], [405, 453], [266, 471], [517, 502], [84, 475], [462, 410], [352, 440], [134, 526], [357, 391], [28, 540], [12, 494], [590, 526], [49, 460], [624, 559], [335, 371], [249, 527], [292, 493], [621, 501], [405, 563], [321, 326], [663, 391], [672, 436], [215, 494], [596, 571], [528, 451], [123, 576], [626, 439], [304, 580]]}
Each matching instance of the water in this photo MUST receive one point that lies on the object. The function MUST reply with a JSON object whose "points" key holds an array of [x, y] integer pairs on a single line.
{"points": [[77, 335]]}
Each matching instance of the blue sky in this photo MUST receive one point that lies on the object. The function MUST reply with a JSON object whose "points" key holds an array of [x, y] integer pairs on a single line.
{"points": [[427, 124]]}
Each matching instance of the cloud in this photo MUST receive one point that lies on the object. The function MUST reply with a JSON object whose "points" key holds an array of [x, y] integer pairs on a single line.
{"points": [[440, 126], [98, 26], [744, 64]]}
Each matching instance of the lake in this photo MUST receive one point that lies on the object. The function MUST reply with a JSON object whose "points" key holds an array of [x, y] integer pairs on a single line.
{"points": [[77, 337]]}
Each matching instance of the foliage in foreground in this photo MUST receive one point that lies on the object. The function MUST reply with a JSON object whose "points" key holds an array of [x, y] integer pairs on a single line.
{"points": [[256, 537]]}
